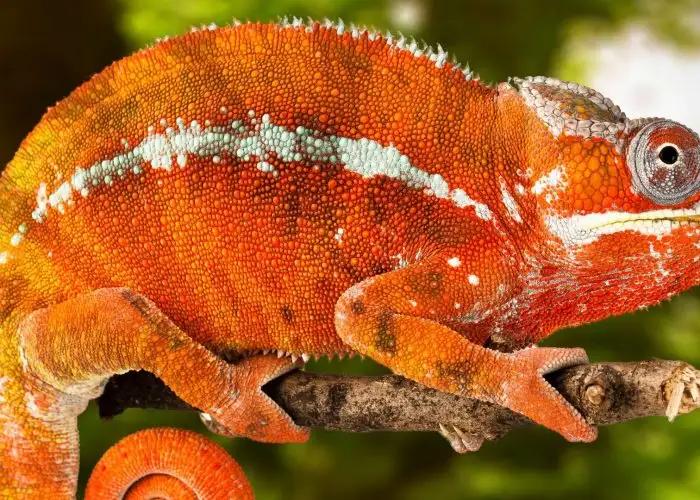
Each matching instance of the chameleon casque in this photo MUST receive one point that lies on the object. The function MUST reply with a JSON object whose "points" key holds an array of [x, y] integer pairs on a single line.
{"points": [[287, 190]]}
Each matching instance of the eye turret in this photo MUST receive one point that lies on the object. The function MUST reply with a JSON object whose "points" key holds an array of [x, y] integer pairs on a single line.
{"points": [[664, 158]]}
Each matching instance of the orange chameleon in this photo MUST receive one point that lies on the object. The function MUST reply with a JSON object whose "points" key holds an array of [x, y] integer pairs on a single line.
{"points": [[319, 190]]}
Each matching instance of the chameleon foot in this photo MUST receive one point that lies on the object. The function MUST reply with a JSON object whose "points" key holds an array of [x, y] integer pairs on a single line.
{"points": [[460, 440], [250, 412], [529, 393]]}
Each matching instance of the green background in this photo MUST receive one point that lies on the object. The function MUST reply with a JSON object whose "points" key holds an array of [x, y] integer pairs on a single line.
{"points": [[49, 47]]}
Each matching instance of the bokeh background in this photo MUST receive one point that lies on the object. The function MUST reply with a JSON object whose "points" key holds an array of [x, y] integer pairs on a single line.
{"points": [[644, 54]]}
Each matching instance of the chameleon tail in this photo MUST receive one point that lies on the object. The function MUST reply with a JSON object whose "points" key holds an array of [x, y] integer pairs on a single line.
{"points": [[167, 463]]}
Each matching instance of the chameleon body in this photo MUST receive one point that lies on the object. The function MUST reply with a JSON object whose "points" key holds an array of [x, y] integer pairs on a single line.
{"points": [[281, 191]]}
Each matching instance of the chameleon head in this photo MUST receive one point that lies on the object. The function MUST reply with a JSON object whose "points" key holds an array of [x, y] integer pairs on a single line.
{"points": [[619, 198]]}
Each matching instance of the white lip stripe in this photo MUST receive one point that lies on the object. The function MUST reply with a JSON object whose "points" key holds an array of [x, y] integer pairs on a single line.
{"points": [[256, 138], [579, 230]]}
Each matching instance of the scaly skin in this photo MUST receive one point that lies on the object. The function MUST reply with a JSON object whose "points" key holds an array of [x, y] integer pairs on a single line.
{"points": [[167, 463], [316, 190]]}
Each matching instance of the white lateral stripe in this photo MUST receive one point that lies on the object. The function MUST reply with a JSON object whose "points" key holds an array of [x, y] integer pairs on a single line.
{"points": [[255, 139], [461, 199]]}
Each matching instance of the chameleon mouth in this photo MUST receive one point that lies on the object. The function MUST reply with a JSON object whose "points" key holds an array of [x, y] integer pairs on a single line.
{"points": [[579, 229], [667, 223], [304, 357]]}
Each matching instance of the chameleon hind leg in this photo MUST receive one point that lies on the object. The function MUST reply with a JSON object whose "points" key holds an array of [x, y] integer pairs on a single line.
{"points": [[73, 347], [400, 319]]}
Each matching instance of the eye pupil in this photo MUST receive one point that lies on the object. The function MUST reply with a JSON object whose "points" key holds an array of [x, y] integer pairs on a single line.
{"points": [[669, 155]]}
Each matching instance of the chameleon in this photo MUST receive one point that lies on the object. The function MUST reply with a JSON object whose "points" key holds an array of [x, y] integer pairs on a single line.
{"points": [[273, 192]]}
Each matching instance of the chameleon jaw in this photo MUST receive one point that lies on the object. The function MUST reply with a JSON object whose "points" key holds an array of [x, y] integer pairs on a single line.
{"points": [[304, 357], [582, 229]]}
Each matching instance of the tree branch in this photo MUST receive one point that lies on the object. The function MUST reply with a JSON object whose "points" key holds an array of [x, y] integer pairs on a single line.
{"points": [[605, 393]]}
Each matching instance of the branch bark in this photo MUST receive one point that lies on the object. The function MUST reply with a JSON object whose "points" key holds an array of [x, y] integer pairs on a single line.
{"points": [[605, 393]]}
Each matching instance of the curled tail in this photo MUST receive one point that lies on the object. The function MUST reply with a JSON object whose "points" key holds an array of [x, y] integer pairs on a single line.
{"points": [[167, 463]]}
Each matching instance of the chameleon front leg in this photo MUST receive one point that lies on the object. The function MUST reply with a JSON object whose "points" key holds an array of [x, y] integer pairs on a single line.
{"points": [[400, 319], [72, 348]]}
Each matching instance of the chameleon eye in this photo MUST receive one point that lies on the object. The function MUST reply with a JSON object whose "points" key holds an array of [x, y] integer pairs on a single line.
{"points": [[664, 158]]}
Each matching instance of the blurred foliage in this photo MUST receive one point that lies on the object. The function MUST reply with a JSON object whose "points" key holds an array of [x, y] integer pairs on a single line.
{"points": [[647, 459], [499, 38]]}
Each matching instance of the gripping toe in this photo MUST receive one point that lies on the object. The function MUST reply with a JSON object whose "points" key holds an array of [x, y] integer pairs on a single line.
{"points": [[250, 412], [531, 395]]}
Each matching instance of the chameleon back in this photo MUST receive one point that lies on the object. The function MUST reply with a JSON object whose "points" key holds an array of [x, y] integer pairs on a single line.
{"points": [[212, 174]]}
